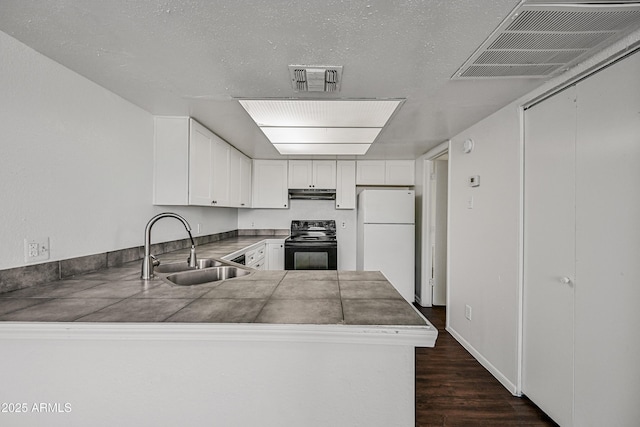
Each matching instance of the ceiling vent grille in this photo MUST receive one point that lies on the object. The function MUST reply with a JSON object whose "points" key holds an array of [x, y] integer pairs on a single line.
{"points": [[305, 78], [541, 40]]}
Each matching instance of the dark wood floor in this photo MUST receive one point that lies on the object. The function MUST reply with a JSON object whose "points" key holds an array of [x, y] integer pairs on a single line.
{"points": [[453, 389]]}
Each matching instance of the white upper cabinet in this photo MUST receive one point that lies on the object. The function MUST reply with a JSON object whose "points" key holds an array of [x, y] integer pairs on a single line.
{"points": [[370, 172], [239, 179], [346, 184], [209, 167], [270, 184], [324, 174], [245, 182], [312, 174], [386, 172], [220, 173], [193, 166], [201, 153], [400, 172]]}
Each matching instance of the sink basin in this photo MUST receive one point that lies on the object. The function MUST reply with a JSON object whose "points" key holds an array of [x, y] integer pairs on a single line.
{"points": [[176, 267], [213, 274]]}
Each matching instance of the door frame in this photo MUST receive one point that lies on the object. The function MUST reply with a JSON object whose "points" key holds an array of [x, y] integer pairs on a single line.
{"points": [[426, 294]]}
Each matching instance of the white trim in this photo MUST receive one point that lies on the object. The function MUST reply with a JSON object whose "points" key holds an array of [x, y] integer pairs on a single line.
{"points": [[437, 151], [416, 336], [513, 389], [448, 296], [426, 298], [520, 290]]}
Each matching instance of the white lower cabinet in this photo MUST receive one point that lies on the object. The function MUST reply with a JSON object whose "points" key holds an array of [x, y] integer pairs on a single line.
{"points": [[275, 255], [255, 257], [267, 254]]}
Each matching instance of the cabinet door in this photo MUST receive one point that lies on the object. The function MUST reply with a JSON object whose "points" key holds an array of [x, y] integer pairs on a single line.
{"points": [[346, 184], [275, 256], [270, 184], [201, 152], [324, 174], [220, 176], [370, 172], [300, 174], [245, 182], [400, 172], [235, 178]]}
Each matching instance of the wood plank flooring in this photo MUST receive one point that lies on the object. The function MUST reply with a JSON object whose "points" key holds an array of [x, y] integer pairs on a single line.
{"points": [[453, 389]]}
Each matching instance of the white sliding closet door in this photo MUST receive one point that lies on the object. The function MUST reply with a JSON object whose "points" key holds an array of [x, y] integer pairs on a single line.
{"points": [[607, 368], [581, 344], [549, 252]]}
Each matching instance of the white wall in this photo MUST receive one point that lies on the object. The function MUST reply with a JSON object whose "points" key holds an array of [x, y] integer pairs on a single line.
{"points": [[309, 209], [76, 164], [484, 243]]}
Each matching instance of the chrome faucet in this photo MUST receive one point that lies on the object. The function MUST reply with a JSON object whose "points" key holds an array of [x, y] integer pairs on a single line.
{"points": [[149, 261]]}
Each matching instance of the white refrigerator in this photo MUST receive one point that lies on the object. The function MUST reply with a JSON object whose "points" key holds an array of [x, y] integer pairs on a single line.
{"points": [[386, 236]]}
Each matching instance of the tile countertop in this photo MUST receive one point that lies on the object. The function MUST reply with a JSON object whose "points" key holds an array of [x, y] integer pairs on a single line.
{"points": [[267, 297]]}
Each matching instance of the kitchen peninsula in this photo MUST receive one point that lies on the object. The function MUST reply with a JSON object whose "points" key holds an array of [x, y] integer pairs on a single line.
{"points": [[273, 348]]}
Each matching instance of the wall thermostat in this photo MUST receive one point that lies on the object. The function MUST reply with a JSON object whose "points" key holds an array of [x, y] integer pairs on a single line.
{"points": [[467, 146], [474, 181]]}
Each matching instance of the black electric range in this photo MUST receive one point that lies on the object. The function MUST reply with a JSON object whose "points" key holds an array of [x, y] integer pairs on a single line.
{"points": [[311, 246]]}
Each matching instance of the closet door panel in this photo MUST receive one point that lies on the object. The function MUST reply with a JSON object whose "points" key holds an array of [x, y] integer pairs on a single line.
{"points": [[607, 346], [549, 250]]}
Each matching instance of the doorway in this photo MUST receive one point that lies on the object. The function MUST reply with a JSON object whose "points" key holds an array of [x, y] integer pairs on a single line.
{"points": [[434, 233]]}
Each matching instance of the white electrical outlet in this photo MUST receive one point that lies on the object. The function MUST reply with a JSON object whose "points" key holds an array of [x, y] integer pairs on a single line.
{"points": [[36, 249], [467, 311], [344, 224]]}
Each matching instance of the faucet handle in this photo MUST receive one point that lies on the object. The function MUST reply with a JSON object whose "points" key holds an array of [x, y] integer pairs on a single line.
{"points": [[155, 261]]}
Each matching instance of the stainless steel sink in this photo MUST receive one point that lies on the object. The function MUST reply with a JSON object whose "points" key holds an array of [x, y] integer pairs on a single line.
{"points": [[176, 267], [213, 274]]}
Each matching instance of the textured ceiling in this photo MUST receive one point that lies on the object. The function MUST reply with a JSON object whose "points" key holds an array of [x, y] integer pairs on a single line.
{"points": [[179, 57]]}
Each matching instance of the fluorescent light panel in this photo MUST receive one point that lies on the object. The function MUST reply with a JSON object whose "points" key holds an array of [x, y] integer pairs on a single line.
{"points": [[294, 135], [324, 149], [329, 127], [320, 113]]}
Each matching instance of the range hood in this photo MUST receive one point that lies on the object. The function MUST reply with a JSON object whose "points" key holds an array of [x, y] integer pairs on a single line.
{"points": [[312, 194]]}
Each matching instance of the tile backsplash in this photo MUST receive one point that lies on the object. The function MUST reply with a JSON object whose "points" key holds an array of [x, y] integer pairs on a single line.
{"points": [[32, 275]]}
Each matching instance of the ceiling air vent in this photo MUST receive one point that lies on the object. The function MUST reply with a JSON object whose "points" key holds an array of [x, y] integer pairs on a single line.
{"points": [[306, 78], [541, 39]]}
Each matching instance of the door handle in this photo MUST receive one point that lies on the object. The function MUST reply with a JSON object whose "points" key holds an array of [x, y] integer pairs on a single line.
{"points": [[565, 280]]}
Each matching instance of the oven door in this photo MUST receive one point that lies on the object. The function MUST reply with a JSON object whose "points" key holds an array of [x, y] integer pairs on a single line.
{"points": [[310, 257]]}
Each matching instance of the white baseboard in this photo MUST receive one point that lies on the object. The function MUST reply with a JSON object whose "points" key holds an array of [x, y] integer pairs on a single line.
{"points": [[484, 362]]}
